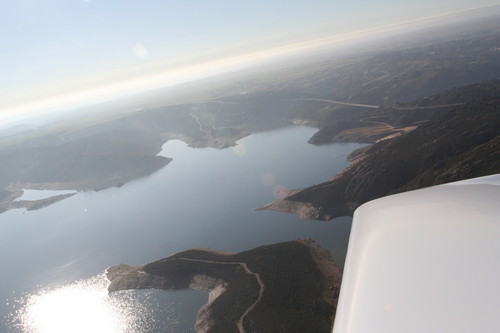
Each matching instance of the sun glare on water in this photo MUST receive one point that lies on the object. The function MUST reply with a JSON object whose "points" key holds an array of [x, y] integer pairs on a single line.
{"points": [[82, 307]]}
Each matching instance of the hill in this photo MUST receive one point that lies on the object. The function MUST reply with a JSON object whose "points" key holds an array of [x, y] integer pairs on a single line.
{"points": [[285, 287], [458, 143]]}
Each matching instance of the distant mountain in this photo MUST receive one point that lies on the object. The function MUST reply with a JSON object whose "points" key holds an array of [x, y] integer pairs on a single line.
{"points": [[459, 143], [405, 75], [389, 76], [385, 78]]}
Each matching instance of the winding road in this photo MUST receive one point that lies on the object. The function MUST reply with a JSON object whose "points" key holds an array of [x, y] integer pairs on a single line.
{"points": [[200, 125], [337, 102], [243, 265], [370, 106]]}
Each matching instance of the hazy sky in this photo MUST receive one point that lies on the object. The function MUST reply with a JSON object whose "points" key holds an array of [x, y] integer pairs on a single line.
{"points": [[54, 47]]}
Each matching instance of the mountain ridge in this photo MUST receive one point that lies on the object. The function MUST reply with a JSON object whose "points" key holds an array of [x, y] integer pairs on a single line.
{"points": [[461, 143]]}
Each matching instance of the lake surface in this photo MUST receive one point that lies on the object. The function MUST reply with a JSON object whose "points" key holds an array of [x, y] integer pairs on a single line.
{"points": [[203, 198]]}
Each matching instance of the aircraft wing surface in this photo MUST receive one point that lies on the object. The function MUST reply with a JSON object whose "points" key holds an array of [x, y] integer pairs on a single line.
{"points": [[425, 261]]}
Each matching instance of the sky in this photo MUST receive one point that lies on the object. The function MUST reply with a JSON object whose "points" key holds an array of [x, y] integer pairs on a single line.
{"points": [[59, 52]]}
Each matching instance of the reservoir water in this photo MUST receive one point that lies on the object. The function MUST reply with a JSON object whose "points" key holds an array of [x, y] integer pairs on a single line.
{"points": [[53, 259]]}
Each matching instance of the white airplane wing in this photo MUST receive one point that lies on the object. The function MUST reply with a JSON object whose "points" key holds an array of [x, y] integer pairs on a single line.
{"points": [[425, 261]]}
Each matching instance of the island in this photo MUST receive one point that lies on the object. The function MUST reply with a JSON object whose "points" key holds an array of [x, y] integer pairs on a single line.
{"points": [[285, 287]]}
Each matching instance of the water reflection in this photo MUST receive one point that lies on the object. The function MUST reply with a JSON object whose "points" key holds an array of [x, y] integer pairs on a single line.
{"points": [[86, 306]]}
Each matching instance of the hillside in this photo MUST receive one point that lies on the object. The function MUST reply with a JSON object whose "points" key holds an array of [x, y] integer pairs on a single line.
{"points": [[285, 287], [455, 144]]}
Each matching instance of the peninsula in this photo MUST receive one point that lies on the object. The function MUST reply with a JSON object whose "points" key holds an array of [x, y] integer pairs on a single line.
{"points": [[285, 287]]}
